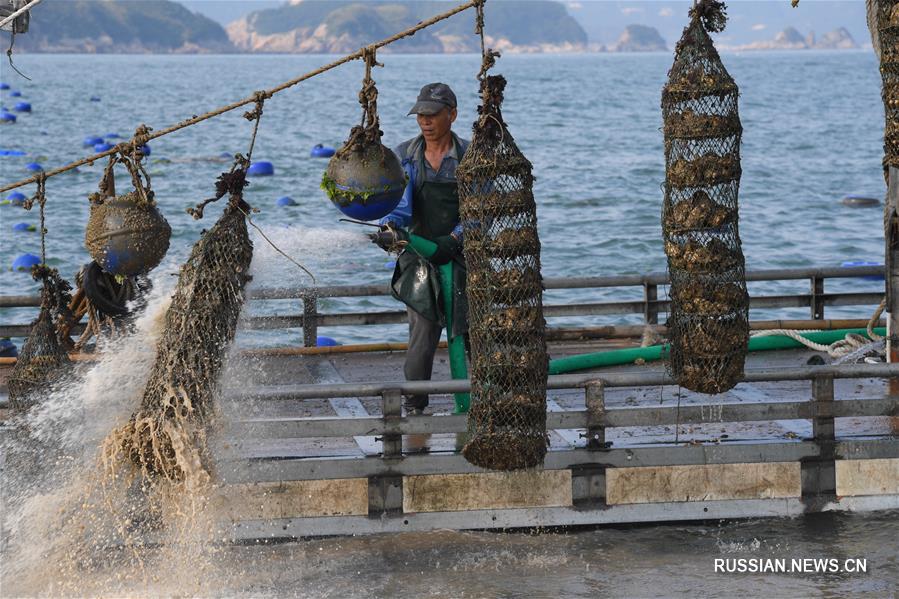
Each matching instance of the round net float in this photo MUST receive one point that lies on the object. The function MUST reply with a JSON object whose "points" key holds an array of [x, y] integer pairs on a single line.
{"points": [[365, 185], [126, 235], [7, 117], [91, 140], [22, 107]]}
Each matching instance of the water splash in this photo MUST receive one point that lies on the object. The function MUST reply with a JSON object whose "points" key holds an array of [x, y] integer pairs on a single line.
{"points": [[71, 500]]}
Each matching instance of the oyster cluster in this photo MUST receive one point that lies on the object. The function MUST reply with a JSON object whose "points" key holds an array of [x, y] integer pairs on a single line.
{"points": [[701, 299], [689, 123], [708, 169], [698, 212], [693, 256]]}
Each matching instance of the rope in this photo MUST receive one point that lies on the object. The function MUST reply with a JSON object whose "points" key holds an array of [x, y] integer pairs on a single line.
{"points": [[252, 99], [852, 343], [22, 10], [368, 133], [40, 196]]}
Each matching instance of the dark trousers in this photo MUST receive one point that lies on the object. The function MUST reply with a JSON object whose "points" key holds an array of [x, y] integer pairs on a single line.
{"points": [[424, 335]]}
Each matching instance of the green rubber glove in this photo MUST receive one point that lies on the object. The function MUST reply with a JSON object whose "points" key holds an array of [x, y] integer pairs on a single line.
{"points": [[448, 247]]}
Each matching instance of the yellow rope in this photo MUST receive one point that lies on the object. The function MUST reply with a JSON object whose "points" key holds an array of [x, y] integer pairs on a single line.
{"points": [[254, 98]]}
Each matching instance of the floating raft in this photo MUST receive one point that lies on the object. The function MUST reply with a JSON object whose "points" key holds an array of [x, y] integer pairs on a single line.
{"points": [[311, 451], [316, 444]]}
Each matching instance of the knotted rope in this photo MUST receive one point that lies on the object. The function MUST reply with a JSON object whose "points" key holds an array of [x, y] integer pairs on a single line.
{"points": [[368, 132], [850, 344]]}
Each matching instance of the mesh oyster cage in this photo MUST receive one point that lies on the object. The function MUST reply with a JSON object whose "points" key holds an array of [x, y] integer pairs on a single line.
{"points": [[43, 360], [200, 325], [887, 23], [708, 326], [509, 364]]}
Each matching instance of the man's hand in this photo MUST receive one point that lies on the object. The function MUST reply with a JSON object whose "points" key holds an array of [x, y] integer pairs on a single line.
{"points": [[389, 238], [448, 247]]}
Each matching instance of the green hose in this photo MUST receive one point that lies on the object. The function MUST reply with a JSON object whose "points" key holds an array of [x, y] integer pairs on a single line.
{"points": [[455, 344], [618, 357]]}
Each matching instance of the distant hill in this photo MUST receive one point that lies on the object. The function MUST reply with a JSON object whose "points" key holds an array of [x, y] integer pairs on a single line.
{"points": [[339, 26], [107, 26], [640, 38], [791, 39]]}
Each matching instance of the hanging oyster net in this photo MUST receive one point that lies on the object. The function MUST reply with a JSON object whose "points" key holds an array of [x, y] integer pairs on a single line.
{"points": [[507, 420], [167, 434], [43, 360], [708, 327], [887, 23]]}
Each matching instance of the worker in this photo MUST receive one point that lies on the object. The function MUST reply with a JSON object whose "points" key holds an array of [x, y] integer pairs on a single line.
{"points": [[429, 209]]}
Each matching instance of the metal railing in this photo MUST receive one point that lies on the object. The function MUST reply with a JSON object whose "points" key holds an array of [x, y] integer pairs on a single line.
{"points": [[590, 424], [649, 306]]}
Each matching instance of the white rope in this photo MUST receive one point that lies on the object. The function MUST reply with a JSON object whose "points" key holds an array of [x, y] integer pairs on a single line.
{"points": [[852, 343], [13, 16]]}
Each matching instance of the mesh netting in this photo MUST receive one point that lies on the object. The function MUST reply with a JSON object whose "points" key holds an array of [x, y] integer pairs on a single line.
{"points": [[199, 328], [43, 359], [507, 420], [708, 326], [888, 30]]}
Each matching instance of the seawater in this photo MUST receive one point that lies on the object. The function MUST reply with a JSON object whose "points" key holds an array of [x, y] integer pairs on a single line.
{"points": [[591, 125]]}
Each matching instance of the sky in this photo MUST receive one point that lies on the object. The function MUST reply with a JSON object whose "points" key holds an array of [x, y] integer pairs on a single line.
{"points": [[604, 20]]}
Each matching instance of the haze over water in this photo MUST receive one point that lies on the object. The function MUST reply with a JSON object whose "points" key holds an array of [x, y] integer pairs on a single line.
{"points": [[591, 126]]}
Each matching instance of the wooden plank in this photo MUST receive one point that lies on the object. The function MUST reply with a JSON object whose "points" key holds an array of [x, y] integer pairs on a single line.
{"points": [[293, 499], [489, 490], [867, 477], [706, 482]]}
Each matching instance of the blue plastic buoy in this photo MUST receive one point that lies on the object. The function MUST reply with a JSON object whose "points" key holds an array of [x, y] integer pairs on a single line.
{"points": [[95, 98], [856, 263], [91, 140], [225, 155], [4, 85], [24, 227], [103, 147], [320, 151], [113, 136], [286, 201], [146, 150], [16, 198], [34, 167], [322, 341], [12, 153], [22, 107], [391, 264], [24, 262], [8, 349], [7, 117], [261, 169], [15, 94]]}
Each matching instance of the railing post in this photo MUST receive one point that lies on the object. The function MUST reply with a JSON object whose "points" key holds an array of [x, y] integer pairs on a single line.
{"points": [[310, 318], [385, 492], [822, 395], [817, 298], [650, 309], [819, 473], [588, 481], [392, 441], [595, 400]]}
